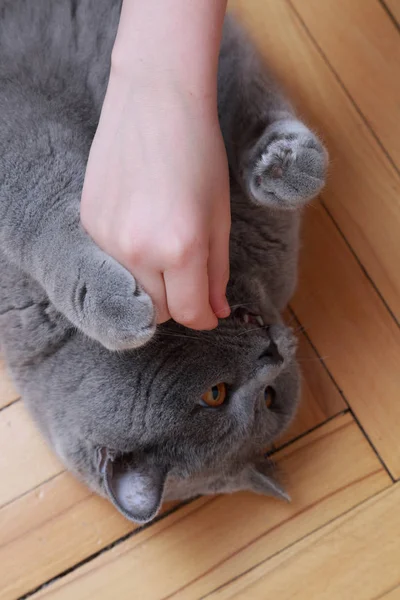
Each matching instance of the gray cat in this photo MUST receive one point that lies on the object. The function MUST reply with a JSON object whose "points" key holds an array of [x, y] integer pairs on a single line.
{"points": [[141, 413]]}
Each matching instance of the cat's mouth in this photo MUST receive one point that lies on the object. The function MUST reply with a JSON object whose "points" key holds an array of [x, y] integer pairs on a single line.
{"points": [[247, 317]]}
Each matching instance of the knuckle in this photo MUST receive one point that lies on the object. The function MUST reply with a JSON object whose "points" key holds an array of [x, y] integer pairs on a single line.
{"points": [[182, 250], [131, 249]]}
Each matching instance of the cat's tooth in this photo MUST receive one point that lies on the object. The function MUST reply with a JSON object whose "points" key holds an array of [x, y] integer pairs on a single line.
{"points": [[246, 318], [260, 320]]}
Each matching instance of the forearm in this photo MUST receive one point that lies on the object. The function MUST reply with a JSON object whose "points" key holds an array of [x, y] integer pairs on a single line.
{"points": [[171, 42], [156, 193]]}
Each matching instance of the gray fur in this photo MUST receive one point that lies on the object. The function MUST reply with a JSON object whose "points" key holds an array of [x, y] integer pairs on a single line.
{"points": [[130, 423]]}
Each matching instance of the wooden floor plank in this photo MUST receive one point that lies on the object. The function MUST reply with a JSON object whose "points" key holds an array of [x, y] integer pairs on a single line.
{"points": [[363, 191], [353, 331], [394, 8], [8, 393], [366, 542], [189, 552], [25, 460], [363, 46], [51, 529]]}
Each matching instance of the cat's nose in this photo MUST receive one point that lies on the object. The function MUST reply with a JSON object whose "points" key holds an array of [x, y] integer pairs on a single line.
{"points": [[271, 354]]}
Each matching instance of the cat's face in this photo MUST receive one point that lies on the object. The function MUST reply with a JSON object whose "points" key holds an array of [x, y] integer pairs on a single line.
{"points": [[189, 413]]}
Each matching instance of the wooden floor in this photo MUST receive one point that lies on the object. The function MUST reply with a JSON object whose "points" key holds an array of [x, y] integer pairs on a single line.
{"points": [[339, 539]]}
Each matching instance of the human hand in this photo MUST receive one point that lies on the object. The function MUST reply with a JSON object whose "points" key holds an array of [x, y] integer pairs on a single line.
{"points": [[156, 197]]}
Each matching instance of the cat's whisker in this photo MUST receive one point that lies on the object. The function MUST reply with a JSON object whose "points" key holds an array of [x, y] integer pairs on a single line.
{"points": [[254, 329], [185, 337], [311, 204], [240, 305]]}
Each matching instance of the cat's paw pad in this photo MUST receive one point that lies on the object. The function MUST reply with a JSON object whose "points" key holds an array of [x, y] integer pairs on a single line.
{"points": [[111, 307], [287, 166]]}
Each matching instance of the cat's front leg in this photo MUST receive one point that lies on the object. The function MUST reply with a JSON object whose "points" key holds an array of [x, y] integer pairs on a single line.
{"points": [[98, 295], [102, 298], [286, 167], [40, 232], [273, 155]]}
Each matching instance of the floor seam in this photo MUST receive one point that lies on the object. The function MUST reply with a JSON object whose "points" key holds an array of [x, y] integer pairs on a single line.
{"points": [[344, 88], [377, 139], [391, 16], [106, 548], [305, 536]]}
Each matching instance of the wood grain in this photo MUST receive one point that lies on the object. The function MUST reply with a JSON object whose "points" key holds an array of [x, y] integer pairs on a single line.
{"points": [[366, 542], [50, 529], [203, 543], [336, 303], [25, 460], [363, 191], [353, 331], [8, 393], [362, 45]]}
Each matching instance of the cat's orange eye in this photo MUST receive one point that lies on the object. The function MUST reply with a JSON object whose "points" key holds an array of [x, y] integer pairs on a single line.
{"points": [[215, 396], [269, 395]]}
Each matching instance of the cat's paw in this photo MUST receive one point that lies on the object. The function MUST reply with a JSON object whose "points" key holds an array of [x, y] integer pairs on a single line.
{"points": [[111, 307], [287, 166]]}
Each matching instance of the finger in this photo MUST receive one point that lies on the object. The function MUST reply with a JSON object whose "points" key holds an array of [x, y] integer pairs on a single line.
{"points": [[218, 272], [153, 284], [188, 298]]}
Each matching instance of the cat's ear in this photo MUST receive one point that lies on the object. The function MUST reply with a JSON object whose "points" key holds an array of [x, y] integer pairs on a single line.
{"points": [[134, 485], [260, 479]]}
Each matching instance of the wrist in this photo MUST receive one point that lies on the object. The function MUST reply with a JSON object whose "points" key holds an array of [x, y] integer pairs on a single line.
{"points": [[144, 89], [172, 43]]}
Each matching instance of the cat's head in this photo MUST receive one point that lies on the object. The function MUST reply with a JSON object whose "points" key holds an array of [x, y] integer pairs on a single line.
{"points": [[188, 413]]}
